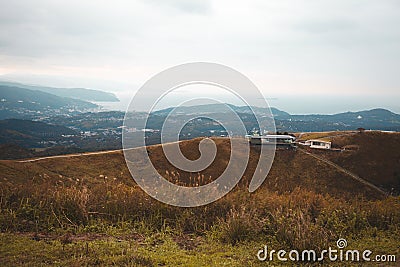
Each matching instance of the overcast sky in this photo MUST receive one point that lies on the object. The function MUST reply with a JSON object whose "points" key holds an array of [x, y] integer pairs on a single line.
{"points": [[310, 56]]}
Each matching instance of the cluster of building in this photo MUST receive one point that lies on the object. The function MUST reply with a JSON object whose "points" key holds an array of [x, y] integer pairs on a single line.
{"points": [[286, 141]]}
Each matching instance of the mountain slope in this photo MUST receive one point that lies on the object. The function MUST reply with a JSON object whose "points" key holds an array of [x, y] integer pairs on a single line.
{"points": [[373, 155], [217, 108], [29, 133], [376, 119], [24, 103], [76, 93], [290, 170]]}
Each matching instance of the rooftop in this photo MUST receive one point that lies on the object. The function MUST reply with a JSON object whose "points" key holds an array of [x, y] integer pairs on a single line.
{"points": [[274, 136]]}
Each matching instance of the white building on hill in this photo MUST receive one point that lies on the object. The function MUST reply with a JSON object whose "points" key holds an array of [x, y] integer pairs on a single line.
{"points": [[315, 143]]}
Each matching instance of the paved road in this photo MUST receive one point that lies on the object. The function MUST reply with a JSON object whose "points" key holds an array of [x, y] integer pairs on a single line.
{"points": [[349, 173]]}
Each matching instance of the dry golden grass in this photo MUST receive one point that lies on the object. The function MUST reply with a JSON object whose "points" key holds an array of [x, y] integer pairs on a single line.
{"points": [[326, 136], [302, 204]]}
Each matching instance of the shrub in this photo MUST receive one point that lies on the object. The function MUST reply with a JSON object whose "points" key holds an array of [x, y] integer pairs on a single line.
{"points": [[238, 226]]}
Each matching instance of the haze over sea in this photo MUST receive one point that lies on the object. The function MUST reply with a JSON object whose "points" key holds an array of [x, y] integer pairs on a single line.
{"points": [[306, 104]]}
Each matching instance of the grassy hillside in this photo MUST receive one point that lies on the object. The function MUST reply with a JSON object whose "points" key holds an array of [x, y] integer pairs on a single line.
{"points": [[372, 155], [86, 210], [290, 170]]}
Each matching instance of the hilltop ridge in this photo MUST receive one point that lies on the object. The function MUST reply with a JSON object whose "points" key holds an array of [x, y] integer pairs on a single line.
{"points": [[290, 169]]}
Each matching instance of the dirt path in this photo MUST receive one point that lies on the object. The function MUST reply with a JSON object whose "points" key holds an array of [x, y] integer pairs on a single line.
{"points": [[84, 154], [349, 173], [71, 155]]}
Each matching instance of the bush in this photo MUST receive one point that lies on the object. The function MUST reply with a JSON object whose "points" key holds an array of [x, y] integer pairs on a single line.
{"points": [[298, 219], [236, 227]]}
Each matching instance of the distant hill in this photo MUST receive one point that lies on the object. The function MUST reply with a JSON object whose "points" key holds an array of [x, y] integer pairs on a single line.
{"points": [[14, 151], [26, 133], [76, 93], [217, 108], [373, 116], [375, 119], [16, 102]]}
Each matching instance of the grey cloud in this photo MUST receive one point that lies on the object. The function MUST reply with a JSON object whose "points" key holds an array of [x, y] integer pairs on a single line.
{"points": [[192, 6], [321, 26], [341, 45]]}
